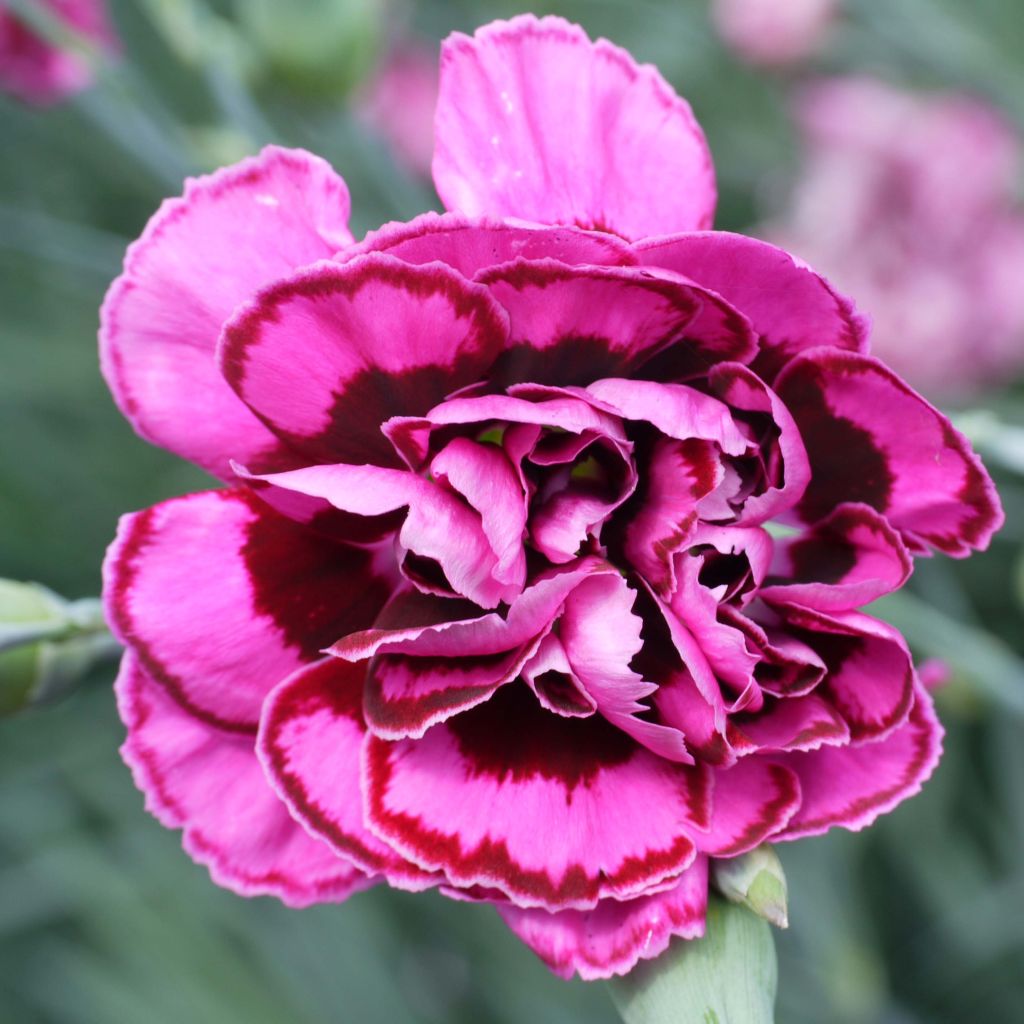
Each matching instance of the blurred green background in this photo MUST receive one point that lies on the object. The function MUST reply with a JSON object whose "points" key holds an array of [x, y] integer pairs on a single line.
{"points": [[103, 920]]}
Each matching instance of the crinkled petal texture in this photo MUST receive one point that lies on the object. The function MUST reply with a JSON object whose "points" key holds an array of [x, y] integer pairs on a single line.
{"points": [[537, 122], [492, 604]]}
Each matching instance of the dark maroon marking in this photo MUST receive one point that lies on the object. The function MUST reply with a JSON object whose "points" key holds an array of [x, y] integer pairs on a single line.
{"points": [[787, 797], [405, 711], [865, 804], [574, 360], [314, 590], [976, 495], [512, 737], [846, 463], [337, 686], [123, 576], [411, 609], [819, 558], [491, 859], [362, 402], [560, 692], [835, 650]]}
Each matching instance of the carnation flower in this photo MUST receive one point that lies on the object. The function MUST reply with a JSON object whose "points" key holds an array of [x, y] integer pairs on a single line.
{"points": [[398, 102], [35, 70], [774, 32], [547, 523], [908, 200]]}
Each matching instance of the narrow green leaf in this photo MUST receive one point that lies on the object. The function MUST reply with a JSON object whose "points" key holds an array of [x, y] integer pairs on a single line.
{"points": [[728, 977]]}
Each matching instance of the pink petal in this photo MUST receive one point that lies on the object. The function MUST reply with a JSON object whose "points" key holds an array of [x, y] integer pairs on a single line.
{"points": [[787, 458], [601, 636], [852, 786], [573, 325], [872, 439], [751, 802], [850, 558], [557, 688], [535, 121], [791, 307], [676, 475], [210, 784], [439, 526], [407, 695], [529, 616], [471, 245], [221, 598], [870, 678], [805, 722], [325, 356], [614, 936], [674, 409], [576, 811], [199, 257], [310, 738]]}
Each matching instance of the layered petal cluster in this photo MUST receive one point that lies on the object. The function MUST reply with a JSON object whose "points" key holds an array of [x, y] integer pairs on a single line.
{"points": [[547, 521], [909, 201], [35, 70]]}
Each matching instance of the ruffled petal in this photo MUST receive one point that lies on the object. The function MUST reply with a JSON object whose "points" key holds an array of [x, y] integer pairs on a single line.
{"points": [[325, 356], [201, 256], [209, 783], [576, 810], [310, 737], [870, 438], [473, 244], [852, 786], [791, 307], [851, 558], [536, 121], [221, 598], [617, 934]]}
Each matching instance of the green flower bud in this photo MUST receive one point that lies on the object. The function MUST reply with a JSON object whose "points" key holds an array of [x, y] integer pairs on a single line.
{"points": [[47, 644], [756, 880]]}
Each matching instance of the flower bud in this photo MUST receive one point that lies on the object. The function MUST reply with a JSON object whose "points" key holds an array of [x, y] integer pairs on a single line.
{"points": [[47, 644], [756, 880]]}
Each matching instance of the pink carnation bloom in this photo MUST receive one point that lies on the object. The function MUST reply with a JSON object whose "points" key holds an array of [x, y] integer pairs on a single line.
{"points": [[38, 72], [489, 603], [398, 101], [907, 200], [774, 32]]}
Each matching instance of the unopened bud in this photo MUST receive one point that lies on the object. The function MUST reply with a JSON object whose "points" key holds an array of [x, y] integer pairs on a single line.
{"points": [[756, 880], [47, 644]]}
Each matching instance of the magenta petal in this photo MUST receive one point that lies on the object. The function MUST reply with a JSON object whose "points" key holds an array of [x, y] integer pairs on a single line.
{"points": [[788, 468], [791, 307], [601, 636], [471, 245], [870, 678], [406, 695], [439, 526], [870, 438], [750, 802], [806, 722], [310, 738], [550, 676], [529, 616], [199, 257], [535, 121], [325, 356], [852, 786], [210, 784], [573, 325], [850, 558], [613, 937], [576, 811], [220, 598]]}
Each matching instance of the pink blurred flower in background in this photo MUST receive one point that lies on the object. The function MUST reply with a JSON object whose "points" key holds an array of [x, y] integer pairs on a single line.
{"points": [[774, 32], [907, 200], [38, 72], [398, 102], [490, 602]]}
